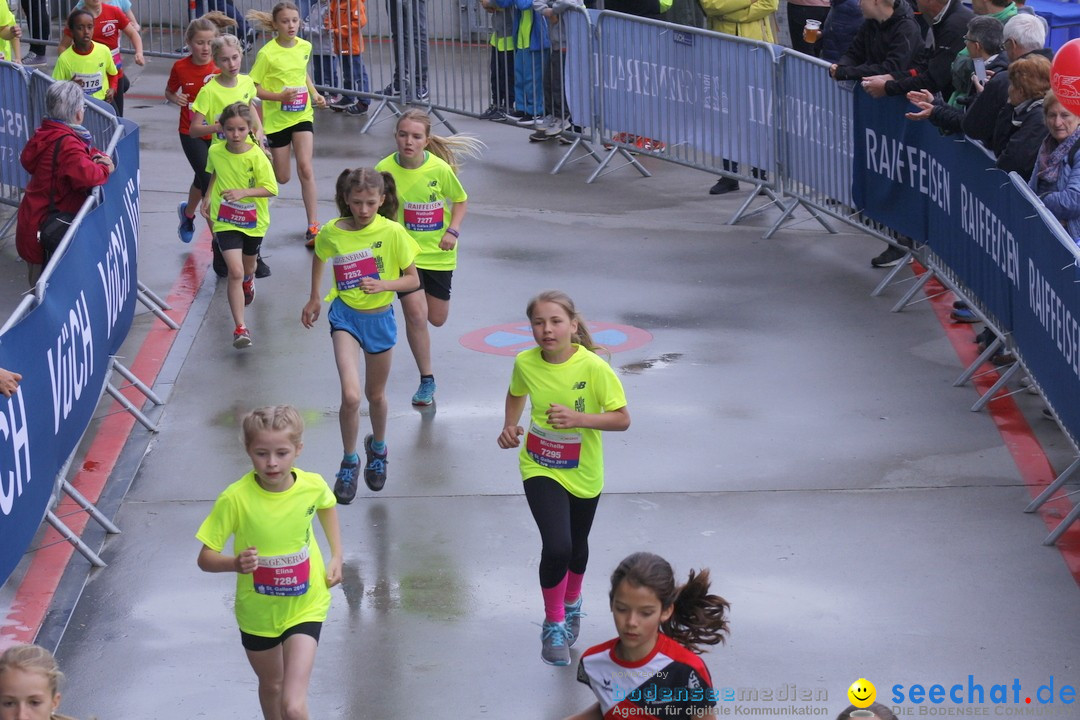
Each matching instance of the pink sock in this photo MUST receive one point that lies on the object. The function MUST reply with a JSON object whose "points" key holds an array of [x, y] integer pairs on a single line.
{"points": [[573, 587], [553, 601]]}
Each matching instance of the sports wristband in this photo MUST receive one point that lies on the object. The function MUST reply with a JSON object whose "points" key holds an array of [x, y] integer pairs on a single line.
{"points": [[453, 232]]}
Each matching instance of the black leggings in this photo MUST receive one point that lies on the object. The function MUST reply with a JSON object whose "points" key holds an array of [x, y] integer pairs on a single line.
{"points": [[196, 150], [564, 521]]}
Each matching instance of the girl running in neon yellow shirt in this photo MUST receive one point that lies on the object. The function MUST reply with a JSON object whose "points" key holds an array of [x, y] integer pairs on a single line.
{"points": [[282, 586], [573, 394], [225, 88], [235, 206], [372, 258], [287, 92], [427, 183]]}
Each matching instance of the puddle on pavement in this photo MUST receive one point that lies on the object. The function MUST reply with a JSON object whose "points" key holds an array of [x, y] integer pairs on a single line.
{"points": [[636, 368]]}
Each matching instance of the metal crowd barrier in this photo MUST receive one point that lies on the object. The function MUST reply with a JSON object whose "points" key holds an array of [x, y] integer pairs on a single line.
{"points": [[64, 336]]}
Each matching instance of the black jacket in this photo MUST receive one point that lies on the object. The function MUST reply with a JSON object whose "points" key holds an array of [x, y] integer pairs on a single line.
{"points": [[982, 117], [882, 48], [1018, 135], [641, 8], [951, 119], [933, 67]]}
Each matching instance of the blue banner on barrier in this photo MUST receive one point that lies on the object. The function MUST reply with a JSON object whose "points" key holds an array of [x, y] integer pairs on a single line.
{"points": [[1046, 310], [578, 29], [15, 124], [695, 89], [942, 191], [62, 348]]}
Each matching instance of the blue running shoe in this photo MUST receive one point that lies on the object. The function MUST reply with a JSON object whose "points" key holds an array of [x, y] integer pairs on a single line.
{"points": [[375, 469], [553, 648], [186, 228], [345, 486], [425, 394], [573, 621]]}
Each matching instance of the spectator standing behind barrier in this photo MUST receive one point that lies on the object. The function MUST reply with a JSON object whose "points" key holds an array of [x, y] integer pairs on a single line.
{"points": [[798, 12], [345, 22], [530, 57], [39, 24], [752, 19], [963, 66], [1024, 35], [502, 60], [557, 117], [885, 44], [9, 382], [62, 164], [1019, 133], [944, 23], [88, 63], [30, 684], [109, 22], [983, 42], [409, 45], [843, 22], [1056, 177], [10, 32]]}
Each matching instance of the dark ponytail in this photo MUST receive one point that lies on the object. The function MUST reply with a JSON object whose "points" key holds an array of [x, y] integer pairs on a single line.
{"points": [[366, 179], [389, 207], [697, 618]]}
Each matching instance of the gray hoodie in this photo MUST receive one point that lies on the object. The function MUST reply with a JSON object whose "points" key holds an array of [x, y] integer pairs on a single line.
{"points": [[555, 31]]}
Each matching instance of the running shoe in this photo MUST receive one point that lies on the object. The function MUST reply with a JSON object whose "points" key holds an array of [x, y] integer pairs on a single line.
{"points": [[186, 228], [241, 338], [724, 185], [529, 120], [422, 92], [964, 315], [249, 289], [375, 468], [33, 58], [309, 236], [425, 394], [556, 126], [345, 483], [553, 647], [357, 108], [262, 270], [573, 621]]}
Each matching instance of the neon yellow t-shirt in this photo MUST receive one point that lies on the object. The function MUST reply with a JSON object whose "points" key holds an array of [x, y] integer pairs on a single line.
{"points": [[289, 587], [277, 68], [250, 169], [383, 250], [7, 19], [91, 70], [586, 383], [215, 97], [422, 207]]}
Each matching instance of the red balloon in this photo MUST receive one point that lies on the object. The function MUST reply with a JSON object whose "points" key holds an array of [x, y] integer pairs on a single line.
{"points": [[1065, 76]]}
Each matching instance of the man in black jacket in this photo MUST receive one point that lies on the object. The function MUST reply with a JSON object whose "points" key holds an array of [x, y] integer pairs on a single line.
{"points": [[944, 24], [1024, 34]]}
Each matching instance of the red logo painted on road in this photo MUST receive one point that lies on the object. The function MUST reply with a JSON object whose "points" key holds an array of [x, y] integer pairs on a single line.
{"points": [[511, 338]]}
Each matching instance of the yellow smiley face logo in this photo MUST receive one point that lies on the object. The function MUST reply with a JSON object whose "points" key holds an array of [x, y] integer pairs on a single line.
{"points": [[862, 693]]}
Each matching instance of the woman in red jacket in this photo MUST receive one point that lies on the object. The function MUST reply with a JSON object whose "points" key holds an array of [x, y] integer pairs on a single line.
{"points": [[78, 168]]}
